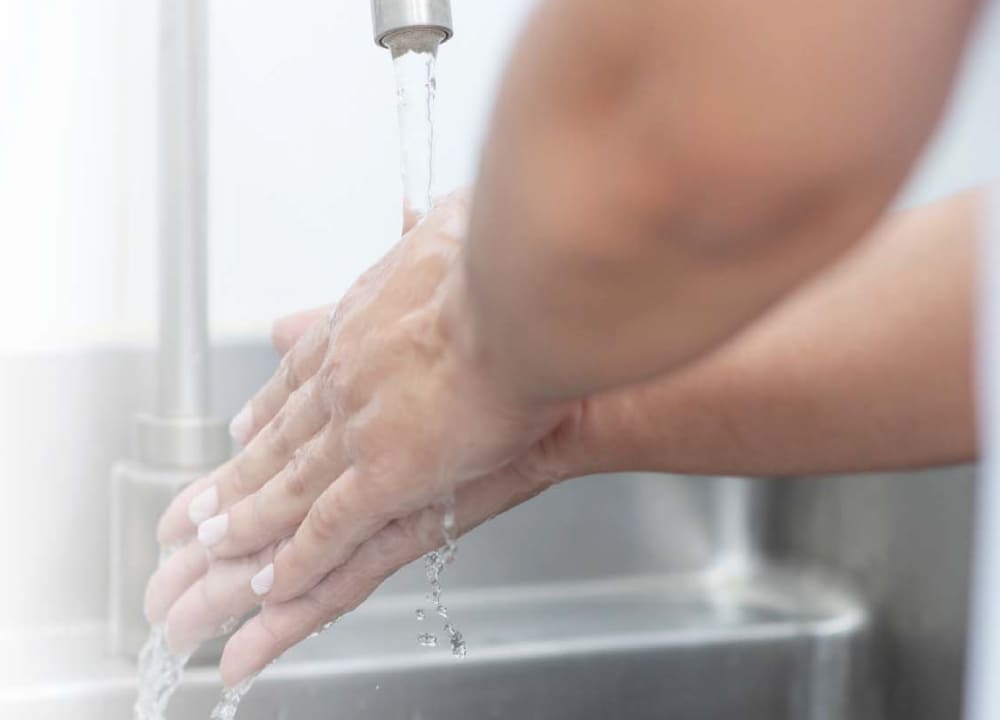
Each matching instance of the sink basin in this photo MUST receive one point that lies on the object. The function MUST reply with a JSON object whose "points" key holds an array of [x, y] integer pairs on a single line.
{"points": [[619, 632]]}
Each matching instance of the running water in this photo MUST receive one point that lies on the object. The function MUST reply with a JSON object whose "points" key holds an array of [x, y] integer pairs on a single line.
{"points": [[434, 564], [160, 671], [414, 54], [229, 703]]}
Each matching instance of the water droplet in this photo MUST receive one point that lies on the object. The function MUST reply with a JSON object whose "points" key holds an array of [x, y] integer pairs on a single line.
{"points": [[427, 640], [420, 614]]}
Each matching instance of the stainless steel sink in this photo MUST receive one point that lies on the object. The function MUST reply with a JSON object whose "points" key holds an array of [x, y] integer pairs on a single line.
{"points": [[609, 597]]}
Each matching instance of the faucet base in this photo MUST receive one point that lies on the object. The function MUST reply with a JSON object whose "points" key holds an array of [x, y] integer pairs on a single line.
{"points": [[139, 495]]}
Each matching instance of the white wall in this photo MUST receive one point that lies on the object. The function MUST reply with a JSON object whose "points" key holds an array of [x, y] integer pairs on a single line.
{"points": [[966, 150], [304, 162], [304, 178]]}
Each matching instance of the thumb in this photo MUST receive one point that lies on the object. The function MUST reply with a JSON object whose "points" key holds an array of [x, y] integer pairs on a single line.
{"points": [[286, 331]]}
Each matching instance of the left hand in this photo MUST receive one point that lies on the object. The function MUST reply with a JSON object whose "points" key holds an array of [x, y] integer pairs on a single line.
{"points": [[375, 417]]}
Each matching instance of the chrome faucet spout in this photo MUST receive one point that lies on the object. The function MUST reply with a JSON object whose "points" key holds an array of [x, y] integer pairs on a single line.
{"points": [[393, 16]]}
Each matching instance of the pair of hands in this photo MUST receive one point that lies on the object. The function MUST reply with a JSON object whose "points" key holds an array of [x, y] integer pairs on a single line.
{"points": [[378, 413]]}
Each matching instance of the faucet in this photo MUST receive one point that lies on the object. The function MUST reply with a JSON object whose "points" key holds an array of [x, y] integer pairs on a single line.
{"points": [[179, 440], [420, 25]]}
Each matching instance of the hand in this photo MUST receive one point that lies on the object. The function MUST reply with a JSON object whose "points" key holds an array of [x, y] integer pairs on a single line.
{"points": [[375, 417]]}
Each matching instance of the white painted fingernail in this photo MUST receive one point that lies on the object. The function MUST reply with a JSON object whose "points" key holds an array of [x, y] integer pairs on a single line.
{"points": [[262, 582], [204, 505], [242, 424], [213, 530]]}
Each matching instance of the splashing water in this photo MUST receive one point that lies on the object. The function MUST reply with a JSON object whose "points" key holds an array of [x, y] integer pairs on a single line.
{"points": [[160, 674], [434, 564], [414, 55], [322, 630], [160, 671], [229, 703]]}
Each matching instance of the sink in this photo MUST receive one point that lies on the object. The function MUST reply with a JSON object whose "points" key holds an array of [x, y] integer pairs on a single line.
{"points": [[603, 619]]}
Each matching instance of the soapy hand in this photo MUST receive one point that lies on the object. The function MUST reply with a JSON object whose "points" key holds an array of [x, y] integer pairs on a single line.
{"points": [[379, 414]]}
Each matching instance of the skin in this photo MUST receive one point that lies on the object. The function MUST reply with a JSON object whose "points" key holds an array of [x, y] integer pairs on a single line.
{"points": [[616, 196], [820, 383], [688, 182], [791, 395]]}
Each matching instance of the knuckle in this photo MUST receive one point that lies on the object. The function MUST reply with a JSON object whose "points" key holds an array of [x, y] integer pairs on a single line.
{"points": [[240, 477], [278, 442], [330, 370], [290, 371], [274, 639], [387, 545], [256, 520], [295, 483], [338, 387], [277, 423], [325, 516]]}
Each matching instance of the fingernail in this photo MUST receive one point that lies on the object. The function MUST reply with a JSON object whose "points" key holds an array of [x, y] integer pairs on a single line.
{"points": [[204, 505], [242, 424], [213, 530], [262, 582]]}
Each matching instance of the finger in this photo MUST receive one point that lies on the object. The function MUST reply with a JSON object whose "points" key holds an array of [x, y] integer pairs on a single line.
{"points": [[210, 606], [288, 330], [175, 527], [203, 510], [297, 366], [282, 625], [172, 579], [349, 512], [279, 507]]}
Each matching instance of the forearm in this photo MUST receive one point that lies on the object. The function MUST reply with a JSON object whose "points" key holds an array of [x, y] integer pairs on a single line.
{"points": [[869, 367], [657, 178]]}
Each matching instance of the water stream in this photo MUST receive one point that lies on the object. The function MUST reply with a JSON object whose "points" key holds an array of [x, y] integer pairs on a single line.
{"points": [[160, 671], [414, 54]]}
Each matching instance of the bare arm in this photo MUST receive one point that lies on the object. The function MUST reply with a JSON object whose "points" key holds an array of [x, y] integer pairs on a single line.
{"points": [[658, 176], [867, 368]]}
